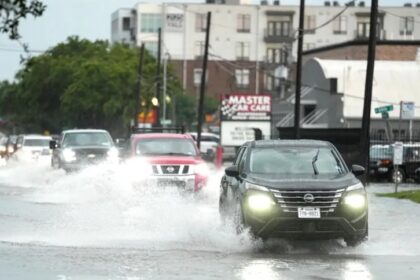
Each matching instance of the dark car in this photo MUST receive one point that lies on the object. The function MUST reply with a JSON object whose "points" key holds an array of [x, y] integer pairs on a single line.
{"points": [[382, 164], [78, 148], [295, 189]]}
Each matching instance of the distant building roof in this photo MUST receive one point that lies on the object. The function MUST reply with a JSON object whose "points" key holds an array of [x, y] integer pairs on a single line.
{"points": [[394, 81]]}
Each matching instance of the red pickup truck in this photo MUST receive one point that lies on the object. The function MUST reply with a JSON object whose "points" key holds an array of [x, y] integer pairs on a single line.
{"points": [[174, 158]]}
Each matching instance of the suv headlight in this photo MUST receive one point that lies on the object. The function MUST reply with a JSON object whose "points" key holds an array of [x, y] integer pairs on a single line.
{"points": [[69, 155], [355, 197], [259, 197], [260, 201]]}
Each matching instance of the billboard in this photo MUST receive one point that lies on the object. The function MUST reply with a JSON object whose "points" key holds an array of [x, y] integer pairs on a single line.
{"points": [[237, 133], [243, 107]]}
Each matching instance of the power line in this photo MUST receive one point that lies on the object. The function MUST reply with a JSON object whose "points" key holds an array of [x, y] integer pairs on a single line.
{"points": [[347, 5], [399, 16], [20, 50]]}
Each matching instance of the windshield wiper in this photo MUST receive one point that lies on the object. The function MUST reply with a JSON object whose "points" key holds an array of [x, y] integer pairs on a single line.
{"points": [[314, 159]]}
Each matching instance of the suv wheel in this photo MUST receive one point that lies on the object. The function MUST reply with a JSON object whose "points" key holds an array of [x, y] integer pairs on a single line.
{"points": [[398, 176]]}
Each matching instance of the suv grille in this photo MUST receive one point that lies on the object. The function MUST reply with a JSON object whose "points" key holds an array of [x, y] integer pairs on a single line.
{"points": [[291, 200]]}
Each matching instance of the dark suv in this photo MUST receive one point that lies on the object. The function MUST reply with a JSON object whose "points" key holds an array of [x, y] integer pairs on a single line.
{"points": [[77, 148], [295, 189]]}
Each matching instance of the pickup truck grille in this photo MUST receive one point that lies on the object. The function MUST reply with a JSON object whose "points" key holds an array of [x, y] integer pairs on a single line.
{"points": [[291, 200], [170, 169]]}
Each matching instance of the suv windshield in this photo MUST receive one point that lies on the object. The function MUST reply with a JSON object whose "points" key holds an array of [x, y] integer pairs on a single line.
{"points": [[165, 146], [36, 142], [295, 160], [79, 139]]}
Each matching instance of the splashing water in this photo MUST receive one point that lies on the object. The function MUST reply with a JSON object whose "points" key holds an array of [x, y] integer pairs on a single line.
{"points": [[105, 206]]}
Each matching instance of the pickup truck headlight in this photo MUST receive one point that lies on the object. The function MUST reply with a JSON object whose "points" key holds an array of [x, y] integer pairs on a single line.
{"points": [[202, 169], [69, 155]]}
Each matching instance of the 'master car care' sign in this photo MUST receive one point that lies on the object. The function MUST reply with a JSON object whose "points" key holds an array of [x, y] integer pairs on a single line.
{"points": [[242, 107]]}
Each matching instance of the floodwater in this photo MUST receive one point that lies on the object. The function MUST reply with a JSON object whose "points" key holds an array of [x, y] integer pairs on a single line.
{"points": [[99, 224]]}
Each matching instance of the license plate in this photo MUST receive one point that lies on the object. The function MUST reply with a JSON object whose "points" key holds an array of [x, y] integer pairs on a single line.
{"points": [[309, 212]]}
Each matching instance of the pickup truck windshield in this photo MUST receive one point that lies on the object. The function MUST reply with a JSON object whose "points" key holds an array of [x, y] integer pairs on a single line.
{"points": [[165, 146]]}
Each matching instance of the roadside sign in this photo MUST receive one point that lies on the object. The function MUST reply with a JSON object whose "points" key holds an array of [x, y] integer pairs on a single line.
{"points": [[385, 115], [165, 122], [383, 109], [407, 110], [398, 153]]}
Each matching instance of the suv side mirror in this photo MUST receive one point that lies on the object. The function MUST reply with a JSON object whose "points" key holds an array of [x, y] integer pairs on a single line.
{"points": [[357, 170], [53, 144], [232, 171]]}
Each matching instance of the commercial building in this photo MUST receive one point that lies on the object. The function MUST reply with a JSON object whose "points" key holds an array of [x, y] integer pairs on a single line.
{"points": [[252, 46]]}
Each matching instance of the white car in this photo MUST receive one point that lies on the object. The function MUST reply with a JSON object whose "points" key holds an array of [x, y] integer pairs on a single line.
{"points": [[33, 148], [208, 144]]}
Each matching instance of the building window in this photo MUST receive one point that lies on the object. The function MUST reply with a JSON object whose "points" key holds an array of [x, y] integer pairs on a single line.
{"points": [[200, 22], [340, 25], [271, 82], [244, 23], [198, 72], [363, 28], [278, 56], [280, 28], [308, 111], [199, 49], [242, 51], [310, 24], [152, 47], [406, 26], [150, 23], [242, 78], [126, 23]]}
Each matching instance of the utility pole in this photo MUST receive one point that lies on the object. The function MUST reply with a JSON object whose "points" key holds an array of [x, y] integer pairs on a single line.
{"points": [[138, 88], [365, 139], [299, 68], [203, 81], [158, 75]]}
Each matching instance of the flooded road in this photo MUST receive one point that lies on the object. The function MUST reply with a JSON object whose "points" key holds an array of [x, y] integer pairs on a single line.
{"points": [[97, 224]]}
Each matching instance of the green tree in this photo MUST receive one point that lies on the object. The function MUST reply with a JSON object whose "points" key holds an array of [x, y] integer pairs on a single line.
{"points": [[12, 11], [80, 83]]}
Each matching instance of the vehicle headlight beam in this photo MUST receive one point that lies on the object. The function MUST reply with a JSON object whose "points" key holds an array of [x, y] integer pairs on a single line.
{"points": [[260, 201]]}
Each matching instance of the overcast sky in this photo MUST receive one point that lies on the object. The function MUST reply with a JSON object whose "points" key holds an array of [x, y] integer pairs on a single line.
{"points": [[87, 19]]}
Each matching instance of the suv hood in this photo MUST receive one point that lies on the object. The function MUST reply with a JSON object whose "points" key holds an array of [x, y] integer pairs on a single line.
{"points": [[303, 181]]}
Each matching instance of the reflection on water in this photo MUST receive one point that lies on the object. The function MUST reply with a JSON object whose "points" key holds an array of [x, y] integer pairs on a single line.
{"points": [[355, 270], [263, 269]]}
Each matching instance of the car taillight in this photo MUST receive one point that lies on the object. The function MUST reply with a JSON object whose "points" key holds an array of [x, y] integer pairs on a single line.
{"points": [[384, 162]]}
